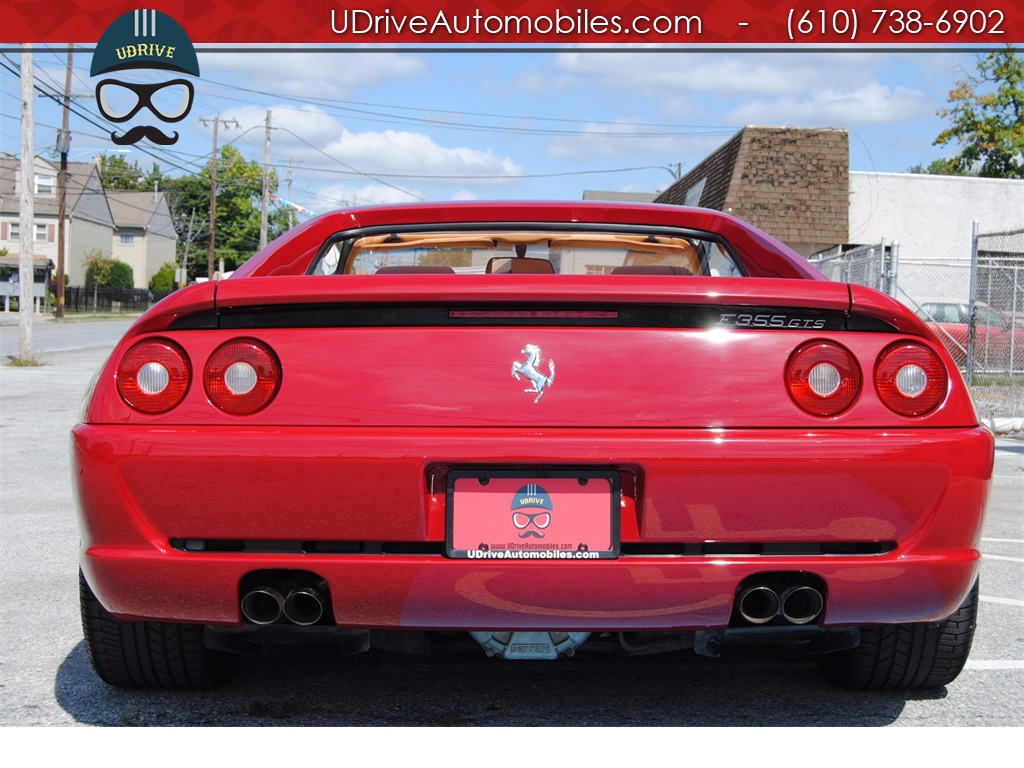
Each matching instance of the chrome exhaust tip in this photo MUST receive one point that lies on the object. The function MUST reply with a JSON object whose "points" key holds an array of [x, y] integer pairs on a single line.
{"points": [[304, 606], [801, 605], [758, 605], [262, 605]]}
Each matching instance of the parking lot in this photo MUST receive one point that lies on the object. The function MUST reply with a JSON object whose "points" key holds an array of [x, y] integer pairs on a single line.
{"points": [[46, 678]]}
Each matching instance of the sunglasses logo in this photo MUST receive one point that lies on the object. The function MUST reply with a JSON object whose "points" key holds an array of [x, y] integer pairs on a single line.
{"points": [[531, 511], [149, 40]]}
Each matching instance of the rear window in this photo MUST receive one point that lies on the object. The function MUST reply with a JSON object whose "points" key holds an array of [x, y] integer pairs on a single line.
{"points": [[527, 252]]}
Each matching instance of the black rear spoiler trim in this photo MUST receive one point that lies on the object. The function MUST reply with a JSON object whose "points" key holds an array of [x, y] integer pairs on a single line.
{"points": [[732, 317]]}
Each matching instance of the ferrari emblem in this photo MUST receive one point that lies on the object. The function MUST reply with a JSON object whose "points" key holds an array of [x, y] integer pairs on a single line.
{"points": [[529, 369]]}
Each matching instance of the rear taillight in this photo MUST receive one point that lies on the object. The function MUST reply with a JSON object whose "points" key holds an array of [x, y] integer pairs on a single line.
{"points": [[241, 377], [153, 376], [823, 378], [910, 378]]}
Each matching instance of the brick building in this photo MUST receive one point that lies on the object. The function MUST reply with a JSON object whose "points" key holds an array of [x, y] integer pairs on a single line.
{"points": [[791, 182]]}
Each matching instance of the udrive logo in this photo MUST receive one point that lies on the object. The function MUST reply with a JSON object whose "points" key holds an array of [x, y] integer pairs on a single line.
{"points": [[145, 39]]}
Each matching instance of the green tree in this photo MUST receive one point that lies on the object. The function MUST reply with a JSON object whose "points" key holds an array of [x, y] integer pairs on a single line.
{"points": [[107, 273], [163, 280], [118, 173], [239, 192], [986, 116], [940, 167]]}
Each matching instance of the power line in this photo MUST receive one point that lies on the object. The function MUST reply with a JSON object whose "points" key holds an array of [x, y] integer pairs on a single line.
{"points": [[353, 169]]}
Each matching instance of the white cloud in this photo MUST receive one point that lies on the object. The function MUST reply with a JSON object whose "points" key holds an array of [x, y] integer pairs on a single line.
{"points": [[418, 154], [626, 138], [342, 195], [287, 121], [872, 103], [654, 73], [321, 147], [309, 75]]}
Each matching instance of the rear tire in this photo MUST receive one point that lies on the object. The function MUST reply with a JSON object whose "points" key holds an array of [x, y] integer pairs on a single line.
{"points": [[149, 654], [906, 656]]}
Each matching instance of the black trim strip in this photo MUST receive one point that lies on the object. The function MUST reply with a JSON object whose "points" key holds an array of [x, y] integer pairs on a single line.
{"points": [[532, 315], [668, 549]]}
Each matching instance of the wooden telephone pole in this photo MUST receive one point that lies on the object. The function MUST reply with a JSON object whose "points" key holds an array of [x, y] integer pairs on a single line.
{"points": [[63, 145], [213, 186]]}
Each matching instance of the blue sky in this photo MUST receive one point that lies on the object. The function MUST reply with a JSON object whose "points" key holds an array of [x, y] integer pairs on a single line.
{"points": [[397, 127]]}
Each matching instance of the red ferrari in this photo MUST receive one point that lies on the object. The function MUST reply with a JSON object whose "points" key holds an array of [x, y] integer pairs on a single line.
{"points": [[545, 428]]}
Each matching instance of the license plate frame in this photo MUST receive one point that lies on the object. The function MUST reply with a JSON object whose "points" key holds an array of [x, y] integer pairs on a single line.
{"points": [[533, 515]]}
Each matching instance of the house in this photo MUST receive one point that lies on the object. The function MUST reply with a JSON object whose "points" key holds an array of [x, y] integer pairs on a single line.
{"points": [[144, 236], [88, 229], [10, 287], [133, 227]]}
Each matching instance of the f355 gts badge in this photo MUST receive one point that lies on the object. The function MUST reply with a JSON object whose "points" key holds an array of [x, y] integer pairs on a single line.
{"points": [[529, 370]]}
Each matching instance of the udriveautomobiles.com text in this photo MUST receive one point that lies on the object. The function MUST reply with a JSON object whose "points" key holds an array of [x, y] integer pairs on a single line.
{"points": [[582, 22]]}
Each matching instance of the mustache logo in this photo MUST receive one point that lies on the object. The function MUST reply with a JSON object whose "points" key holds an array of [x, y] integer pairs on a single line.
{"points": [[535, 534], [140, 132]]}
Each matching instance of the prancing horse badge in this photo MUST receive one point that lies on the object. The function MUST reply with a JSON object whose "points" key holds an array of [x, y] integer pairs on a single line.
{"points": [[529, 369]]}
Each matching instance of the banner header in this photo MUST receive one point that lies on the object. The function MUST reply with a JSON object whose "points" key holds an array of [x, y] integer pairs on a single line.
{"points": [[545, 22]]}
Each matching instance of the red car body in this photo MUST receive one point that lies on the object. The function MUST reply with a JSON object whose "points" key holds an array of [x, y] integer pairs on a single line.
{"points": [[332, 505]]}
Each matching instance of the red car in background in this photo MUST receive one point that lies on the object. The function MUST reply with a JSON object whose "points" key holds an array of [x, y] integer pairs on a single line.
{"points": [[998, 342], [547, 427]]}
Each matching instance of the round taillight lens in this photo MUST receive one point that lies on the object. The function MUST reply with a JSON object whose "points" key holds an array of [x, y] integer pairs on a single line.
{"points": [[241, 376], [910, 378], [153, 376], [823, 378]]}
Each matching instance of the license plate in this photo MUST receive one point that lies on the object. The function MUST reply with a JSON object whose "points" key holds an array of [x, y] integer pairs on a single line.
{"points": [[550, 515]]}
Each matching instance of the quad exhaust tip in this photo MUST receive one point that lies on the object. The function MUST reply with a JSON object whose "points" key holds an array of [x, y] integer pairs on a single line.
{"points": [[263, 605], [799, 604], [759, 605], [304, 606]]}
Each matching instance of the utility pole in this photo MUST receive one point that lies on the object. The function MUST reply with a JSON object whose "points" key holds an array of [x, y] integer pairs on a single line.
{"points": [[213, 187], [188, 243], [63, 145], [291, 213], [26, 270], [265, 204]]}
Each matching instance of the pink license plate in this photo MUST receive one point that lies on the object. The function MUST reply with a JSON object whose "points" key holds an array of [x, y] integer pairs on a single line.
{"points": [[550, 515]]}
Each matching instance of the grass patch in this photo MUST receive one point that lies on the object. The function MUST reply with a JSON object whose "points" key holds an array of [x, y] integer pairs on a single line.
{"points": [[997, 380], [14, 361]]}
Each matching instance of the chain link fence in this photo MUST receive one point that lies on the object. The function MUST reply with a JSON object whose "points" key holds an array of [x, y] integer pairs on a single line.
{"points": [[995, 340], [974, 302], [872, 265]]}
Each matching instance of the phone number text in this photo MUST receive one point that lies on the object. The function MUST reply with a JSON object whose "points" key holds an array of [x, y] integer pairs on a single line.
{"points": [[885, 25]]}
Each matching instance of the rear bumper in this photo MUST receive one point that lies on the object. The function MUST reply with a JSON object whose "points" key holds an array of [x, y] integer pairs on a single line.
{"points": [[139, 488]]}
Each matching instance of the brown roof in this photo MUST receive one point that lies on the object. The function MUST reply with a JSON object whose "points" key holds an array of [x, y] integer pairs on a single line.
{"points": [[131, 208], [10, 197], [13, 261]]}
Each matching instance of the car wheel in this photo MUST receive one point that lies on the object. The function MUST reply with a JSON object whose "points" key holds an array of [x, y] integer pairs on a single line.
{"points": [[149, 654], [906, 656]]}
